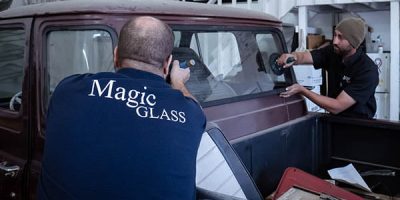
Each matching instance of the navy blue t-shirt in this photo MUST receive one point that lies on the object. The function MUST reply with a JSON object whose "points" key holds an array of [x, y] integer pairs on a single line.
{"points": [[357, 75], [124, 135]]}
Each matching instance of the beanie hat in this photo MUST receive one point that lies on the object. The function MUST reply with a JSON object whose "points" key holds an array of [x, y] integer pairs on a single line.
{"points": [[353, 30]]}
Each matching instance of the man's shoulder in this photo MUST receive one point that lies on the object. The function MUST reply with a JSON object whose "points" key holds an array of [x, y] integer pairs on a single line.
{"points": [[368, 60], [369, 64], [326, 51], [324, 57], [77, 81], [87, 76]]}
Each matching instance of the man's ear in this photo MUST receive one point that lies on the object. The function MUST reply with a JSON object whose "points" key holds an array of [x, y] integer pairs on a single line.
{"points": [[166, 66], [116, 61]]}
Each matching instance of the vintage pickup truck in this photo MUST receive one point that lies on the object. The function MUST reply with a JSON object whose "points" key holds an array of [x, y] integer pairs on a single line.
{"points": [[41, 44]]}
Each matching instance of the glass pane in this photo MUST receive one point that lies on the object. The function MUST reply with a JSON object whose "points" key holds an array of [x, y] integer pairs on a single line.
{"points": [[12, 51], [269, 45], [77, 52], [214, 48], [177, 38], [229, 64]]}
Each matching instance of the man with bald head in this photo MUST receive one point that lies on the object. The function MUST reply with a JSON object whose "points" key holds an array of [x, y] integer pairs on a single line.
{"points": [[352, 75], [128, 134]]}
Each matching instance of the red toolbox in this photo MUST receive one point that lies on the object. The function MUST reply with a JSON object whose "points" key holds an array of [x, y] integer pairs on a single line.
{"points": [[297, 184]]}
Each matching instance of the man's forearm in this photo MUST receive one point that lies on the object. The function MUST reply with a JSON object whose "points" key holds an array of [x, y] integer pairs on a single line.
{"points": [[330, 104], [302, 57], [181, 87]]}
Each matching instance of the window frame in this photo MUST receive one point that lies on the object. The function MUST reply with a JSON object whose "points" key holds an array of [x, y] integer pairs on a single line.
{"points": [[24, 64], [14, 125], [69, 27], [23, 24]]}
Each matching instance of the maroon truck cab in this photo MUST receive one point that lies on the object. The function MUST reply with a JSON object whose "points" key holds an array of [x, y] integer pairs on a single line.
{"points": [[42, 44]]}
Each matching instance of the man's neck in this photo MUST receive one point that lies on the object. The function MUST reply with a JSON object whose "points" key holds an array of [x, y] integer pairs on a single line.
{"points": [[350, 53], [127, 63]]}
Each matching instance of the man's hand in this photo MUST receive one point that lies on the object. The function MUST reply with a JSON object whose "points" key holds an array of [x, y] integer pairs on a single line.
{"points": [[292, 90], [178, 75], [282, 60], [333, 105]]}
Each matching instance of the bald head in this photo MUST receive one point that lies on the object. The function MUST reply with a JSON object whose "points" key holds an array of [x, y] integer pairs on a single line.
{"points": [[145, 39]]}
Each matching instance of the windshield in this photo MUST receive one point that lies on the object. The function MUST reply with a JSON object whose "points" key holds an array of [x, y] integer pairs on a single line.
{"points": [[229, 63]]}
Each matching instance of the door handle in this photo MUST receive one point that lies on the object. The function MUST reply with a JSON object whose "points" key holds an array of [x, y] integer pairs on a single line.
{"points": [[11, 171]]}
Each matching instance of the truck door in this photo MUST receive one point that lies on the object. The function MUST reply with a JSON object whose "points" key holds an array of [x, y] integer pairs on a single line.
{"points": [[14, 106], [65, 46]]}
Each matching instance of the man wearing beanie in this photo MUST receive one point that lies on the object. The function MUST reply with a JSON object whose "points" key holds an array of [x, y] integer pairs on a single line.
{"points": [[352, 75]]}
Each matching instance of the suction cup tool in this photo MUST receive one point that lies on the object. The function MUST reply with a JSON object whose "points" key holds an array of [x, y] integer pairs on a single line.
{"points": [[278, 69]]}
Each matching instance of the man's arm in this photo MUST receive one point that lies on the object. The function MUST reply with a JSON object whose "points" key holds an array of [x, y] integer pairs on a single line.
{"points": [[179, 77], [334, 106], [300, 58]]}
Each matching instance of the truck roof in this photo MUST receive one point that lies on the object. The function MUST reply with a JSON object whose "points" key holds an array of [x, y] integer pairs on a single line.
{"points": [[149, 7]]}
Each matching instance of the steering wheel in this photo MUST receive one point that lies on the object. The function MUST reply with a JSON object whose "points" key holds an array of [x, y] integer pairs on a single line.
{"points": [[16, 100]]}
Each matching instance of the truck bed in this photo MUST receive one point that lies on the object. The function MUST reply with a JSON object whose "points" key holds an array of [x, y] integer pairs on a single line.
{"points": [[318, 142]]}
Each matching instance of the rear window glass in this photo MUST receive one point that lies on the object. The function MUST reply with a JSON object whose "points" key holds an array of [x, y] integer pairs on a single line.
{"points": [[12, 55], [229, 64]]}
